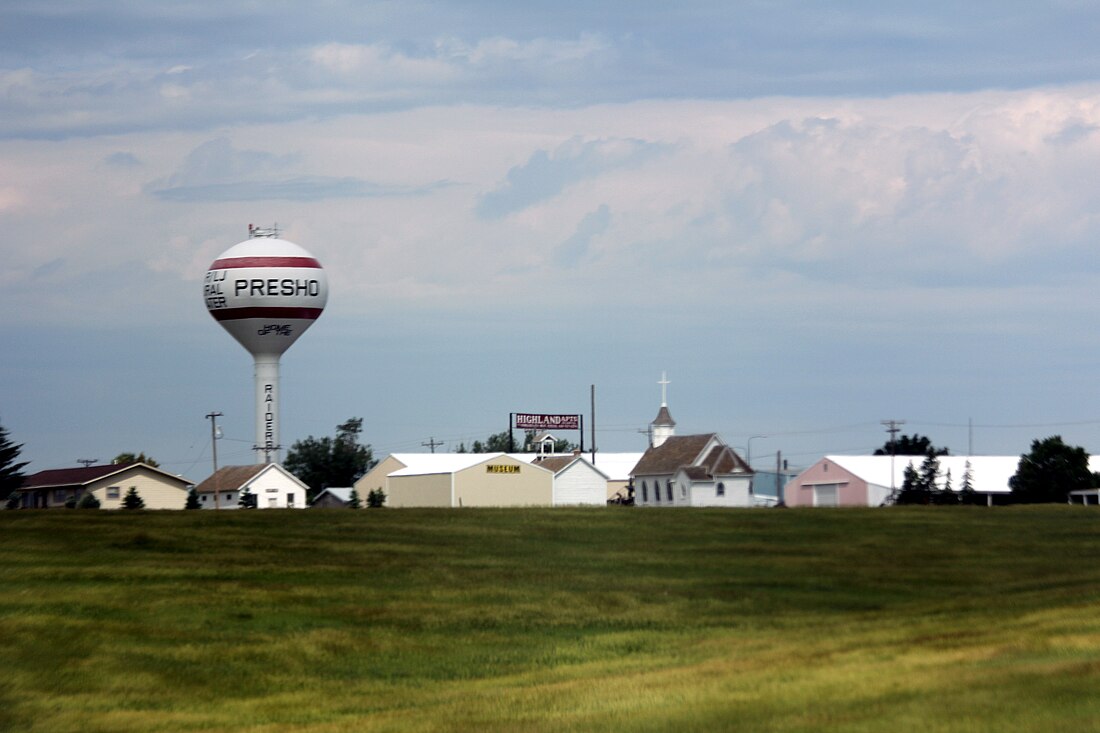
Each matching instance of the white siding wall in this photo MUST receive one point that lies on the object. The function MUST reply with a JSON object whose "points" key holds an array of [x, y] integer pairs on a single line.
{"points": [[580, 484], [735, 494]]}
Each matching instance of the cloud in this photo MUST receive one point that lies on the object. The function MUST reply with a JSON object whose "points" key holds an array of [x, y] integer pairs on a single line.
{"points": [[573, 250], [122, 159], [217, 171], [546, 174]]}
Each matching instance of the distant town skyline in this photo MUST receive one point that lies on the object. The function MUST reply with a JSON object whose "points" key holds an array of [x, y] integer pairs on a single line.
{"points": [[812, 217]]}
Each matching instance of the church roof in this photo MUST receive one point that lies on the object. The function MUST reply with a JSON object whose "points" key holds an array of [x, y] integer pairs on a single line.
{"points": [[664, 418], [672, 455]]}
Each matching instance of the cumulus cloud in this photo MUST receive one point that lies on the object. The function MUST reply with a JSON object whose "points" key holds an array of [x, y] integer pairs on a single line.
{"points": [[547, 173]]}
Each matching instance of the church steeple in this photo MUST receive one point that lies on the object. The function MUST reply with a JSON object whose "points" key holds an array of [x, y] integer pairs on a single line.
{"points": [[663, 426]]}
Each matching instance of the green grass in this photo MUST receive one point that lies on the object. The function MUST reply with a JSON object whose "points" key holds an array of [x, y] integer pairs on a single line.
{"points": [[921, 619]]}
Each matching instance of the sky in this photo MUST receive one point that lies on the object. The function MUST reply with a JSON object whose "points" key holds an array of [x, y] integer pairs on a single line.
{"points": [[813, 216]]}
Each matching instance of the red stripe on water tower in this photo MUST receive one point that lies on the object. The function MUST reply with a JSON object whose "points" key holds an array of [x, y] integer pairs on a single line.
{"points": [[230, 263], [268, 313]]}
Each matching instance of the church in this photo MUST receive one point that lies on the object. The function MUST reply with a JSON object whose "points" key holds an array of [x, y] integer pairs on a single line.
{"points": [[689, 470]]}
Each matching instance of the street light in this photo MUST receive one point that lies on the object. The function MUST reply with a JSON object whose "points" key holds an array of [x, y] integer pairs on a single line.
{"points": [[748, 449]]}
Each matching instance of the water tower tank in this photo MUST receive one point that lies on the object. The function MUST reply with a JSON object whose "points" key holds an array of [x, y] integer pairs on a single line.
{"points": [[266, 291]]}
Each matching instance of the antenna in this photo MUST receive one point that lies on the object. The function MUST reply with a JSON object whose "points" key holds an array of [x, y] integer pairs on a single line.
{"points": [[87, 461]]}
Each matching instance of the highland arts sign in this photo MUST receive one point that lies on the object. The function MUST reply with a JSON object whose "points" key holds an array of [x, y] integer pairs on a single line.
{"points": [[527, 421]]}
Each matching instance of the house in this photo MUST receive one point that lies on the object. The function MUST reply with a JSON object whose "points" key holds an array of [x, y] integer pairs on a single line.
{"points": [[333, 499], [576, 481], [108, 483], [273, 487], [692, 470], [871, 480]]}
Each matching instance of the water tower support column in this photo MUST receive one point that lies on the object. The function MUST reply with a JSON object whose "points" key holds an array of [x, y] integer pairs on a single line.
{"points": [[267, 408]]}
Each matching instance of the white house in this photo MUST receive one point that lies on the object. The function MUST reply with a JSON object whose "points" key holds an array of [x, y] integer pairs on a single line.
{"points": [[576, 481], [273, 486]]}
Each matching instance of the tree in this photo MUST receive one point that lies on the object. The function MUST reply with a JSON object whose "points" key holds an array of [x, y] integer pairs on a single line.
{"points": [[247, 500], [192, 499], [11, 470], [134, 458], [496, 443], [1050, 471], [133, 500], [910, 445], [331, 462], [88, 501], [376, 499], [353, 500]]}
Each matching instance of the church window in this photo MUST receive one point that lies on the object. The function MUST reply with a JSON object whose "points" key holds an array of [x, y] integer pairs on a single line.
{"points": [[683, 491], [645, 494], [720, 490], [669, 490], [657, 491]]}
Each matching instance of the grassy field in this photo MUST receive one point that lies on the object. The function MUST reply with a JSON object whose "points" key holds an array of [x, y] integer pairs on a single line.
{"points": [[921, 619]]}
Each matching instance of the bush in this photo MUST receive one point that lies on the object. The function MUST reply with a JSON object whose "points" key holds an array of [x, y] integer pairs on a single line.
{"points": [[88, 501], [376, 498]]}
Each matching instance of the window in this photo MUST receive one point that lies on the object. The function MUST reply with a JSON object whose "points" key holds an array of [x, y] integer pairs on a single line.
{"points": [[290, 501], [645, 496], [668, 490], [59, 494], [657, 491], [113, 492], [683, 491], [720, 489]]}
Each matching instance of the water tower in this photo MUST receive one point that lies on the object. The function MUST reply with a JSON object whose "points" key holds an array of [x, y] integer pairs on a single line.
{"points": [[266, 292]]}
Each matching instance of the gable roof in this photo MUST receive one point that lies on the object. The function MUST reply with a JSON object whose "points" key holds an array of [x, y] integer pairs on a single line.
{"points": [[557, 464], [59, 477], [343, 494], [232, 478], [676, 452]]}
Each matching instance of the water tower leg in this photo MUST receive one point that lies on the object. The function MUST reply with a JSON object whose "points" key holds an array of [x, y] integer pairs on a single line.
{"points": [[267, 409]]}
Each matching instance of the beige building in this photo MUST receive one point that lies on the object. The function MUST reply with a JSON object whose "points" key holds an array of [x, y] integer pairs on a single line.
{"points": [[459, 480], [109, 484]]}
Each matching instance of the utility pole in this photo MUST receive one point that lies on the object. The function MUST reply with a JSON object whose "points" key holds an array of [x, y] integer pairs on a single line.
{"points": [[893, 429], [213, 418], [432, 443], [87, 461]]}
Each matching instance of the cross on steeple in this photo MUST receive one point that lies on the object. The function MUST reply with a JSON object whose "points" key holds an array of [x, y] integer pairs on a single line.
{"points": [[664, 389]]}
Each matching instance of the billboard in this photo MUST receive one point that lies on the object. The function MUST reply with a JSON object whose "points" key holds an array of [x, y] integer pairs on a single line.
{"points": [[529, 421]]}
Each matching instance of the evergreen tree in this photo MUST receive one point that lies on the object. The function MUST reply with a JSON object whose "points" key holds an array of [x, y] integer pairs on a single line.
{"points": [[11, 470], [133, 500], [192, 499], [376, 499], [12, 501], [247, 500], [353, 500]]}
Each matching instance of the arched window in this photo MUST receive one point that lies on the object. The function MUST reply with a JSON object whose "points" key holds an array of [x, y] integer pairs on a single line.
{"points": [[645, 496], [657, 491], [668, 490], [720, 490]]}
